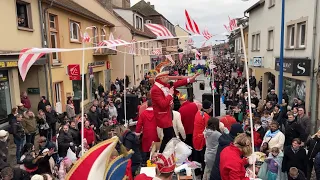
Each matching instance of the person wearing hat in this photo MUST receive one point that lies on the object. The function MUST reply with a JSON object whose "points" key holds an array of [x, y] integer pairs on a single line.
{"points": [[166, 164], [162, 96], [4, 145], [272, 96], [21, 108], [198, 140]]}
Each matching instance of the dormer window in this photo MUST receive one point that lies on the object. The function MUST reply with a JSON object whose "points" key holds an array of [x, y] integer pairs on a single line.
{"points": [[139, 22]]}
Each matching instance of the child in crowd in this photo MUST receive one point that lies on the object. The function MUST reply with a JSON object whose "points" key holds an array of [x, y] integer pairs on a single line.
{"points": [[264, 148], [266, 119], [296, 174], [274, 162]]}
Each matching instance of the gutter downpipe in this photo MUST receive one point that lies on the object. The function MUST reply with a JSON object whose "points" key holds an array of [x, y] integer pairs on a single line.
{"points": [[44, 28], [43, 45], [314, 71]]}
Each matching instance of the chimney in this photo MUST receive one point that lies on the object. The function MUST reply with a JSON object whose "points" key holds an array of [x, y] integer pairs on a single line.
{"points": [[148, 3], [152, 6]]}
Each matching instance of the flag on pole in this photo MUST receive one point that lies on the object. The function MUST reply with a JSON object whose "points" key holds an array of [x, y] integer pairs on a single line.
{"points": [[180, 56], [26, 61], [86, 37], [111, 37], [159, 30], [191, 25], [169, 57], [206, 34]]}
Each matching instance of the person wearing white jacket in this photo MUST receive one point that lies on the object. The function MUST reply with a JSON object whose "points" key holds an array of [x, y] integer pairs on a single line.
{"points": [[112, 110], [274, 137], [177, 126]]}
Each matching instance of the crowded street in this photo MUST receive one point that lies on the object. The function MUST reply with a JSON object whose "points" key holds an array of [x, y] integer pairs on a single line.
{"points": [[150, 90]]}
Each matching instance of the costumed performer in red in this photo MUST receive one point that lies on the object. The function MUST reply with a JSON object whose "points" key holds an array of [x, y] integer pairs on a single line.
{"points": [[162, 97], [166, 164]]}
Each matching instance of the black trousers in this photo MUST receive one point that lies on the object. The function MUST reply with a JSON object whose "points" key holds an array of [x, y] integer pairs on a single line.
{"points": [[198, 156], [168, 134]]}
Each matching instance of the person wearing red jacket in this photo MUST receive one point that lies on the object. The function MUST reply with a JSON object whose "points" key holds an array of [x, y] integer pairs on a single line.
{"points": [[198, 140], [232, 166], [88, 133], [147, 125], [25, 100], [228, 120], [162, 97], [188, 111]]}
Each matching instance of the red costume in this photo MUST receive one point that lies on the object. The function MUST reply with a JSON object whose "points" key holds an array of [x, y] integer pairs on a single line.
{"points": [[231, 164], [188, 111], [26, 102], [148, 126], [228, 121], [161, 100], [200, 123], [89, 135]]}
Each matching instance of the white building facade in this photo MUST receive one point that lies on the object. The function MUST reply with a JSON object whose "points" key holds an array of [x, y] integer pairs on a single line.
{"points": [[299, 54]]}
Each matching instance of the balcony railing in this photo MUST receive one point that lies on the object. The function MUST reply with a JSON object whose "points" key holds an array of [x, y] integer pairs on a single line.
{"points": [[104, 52]]}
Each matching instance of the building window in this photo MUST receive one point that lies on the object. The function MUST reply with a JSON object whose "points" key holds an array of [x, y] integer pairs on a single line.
{"points": [[302, 34], [58, 89], [253, 44], [148, 21], [258, 42], [270, 40], [103, 34], [94, 36], [77, 88], [74, 31], [54, 37], [24, 14], [291, 36], [139, 23], [272, 3]]}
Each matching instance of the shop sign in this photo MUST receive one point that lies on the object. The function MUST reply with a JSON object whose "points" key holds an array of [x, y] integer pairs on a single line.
{"points": [[74, 72], [296, 66], [4, 64], [257, 61], [97, 63], [33, 91]]}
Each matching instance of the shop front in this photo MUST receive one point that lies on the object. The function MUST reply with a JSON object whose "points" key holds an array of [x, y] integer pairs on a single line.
{"points": [[296, 80]]}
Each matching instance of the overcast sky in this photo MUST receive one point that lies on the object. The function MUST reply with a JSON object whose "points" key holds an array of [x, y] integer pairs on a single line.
{"points": [[212, 14]]}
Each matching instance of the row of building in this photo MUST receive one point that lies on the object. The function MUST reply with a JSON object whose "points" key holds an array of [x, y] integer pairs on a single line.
{"points": [[60, 24], [301, 49]]}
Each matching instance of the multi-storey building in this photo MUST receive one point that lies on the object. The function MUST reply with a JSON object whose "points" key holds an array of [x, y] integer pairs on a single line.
{"points": [[20, 29], [301, 48]]}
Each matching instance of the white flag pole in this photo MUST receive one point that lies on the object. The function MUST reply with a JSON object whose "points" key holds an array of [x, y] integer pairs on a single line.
{"points": [[82, 100], [125, 88], [249, 93], [212, 85]]}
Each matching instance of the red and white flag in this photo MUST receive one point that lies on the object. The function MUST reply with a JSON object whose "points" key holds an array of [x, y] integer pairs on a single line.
{"points": [[111, 37], [26, 61], [191, 25], [169, 57], [180, 56], [159, 30], [190, 41], [232, 25], [206, 34], [132, 47], [86, 37]]}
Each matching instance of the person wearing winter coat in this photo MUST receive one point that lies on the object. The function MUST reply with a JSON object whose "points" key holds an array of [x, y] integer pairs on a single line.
{"points": [[296, 174], [4, 145], [112, 110], [89, 134], [295, 156], [51, 118], [19, 135], [45, 144], [105, 112], [317, 165], [43, 103], [130, 141], [304, 120], [71, 113], [212, 135], [75, 133], [25, 100], [105, 129], [30, 126], [43, 126], [65, 141], [93, 117], [9, 173], [313, 146], [224, 141], [293, 130], [274, 137], [232, 165], [147, 126]]}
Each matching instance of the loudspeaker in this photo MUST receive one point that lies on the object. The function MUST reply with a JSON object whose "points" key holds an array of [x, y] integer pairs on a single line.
{"points": [[208, 96], [132, 102]]}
